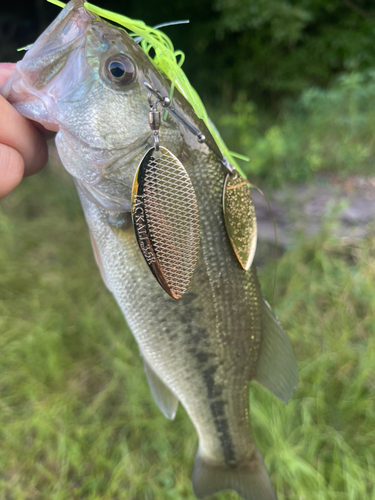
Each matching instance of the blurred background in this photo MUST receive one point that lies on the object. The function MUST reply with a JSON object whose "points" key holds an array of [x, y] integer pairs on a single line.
{"points": [[291, 84]]}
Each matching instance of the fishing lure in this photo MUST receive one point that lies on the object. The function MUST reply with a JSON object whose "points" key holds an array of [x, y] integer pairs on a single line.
{"points": [[238, 208]]}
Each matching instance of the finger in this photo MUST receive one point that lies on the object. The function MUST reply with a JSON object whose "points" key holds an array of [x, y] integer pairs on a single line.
{"points": [[11, 169], [6, 69], [19, 134]]}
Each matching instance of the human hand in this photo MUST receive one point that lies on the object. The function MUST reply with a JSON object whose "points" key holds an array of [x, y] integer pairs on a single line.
{"points": [[23, 148]]}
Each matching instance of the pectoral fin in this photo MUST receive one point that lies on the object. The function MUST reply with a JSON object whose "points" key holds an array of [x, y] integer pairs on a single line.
{"points": [[164, 397], [277, 368], [98, 260]]}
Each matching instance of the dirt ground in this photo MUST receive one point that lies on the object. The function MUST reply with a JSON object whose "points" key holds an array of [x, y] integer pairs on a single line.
{"points": [[303, 209]]}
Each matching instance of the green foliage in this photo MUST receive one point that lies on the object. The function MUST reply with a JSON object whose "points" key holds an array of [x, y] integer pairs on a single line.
{"points": [[324, 130], [76, 417], [284, 46], [284, 20]]}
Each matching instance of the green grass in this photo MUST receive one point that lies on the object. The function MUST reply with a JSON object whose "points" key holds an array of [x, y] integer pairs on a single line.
{"points": [[76, 417]]}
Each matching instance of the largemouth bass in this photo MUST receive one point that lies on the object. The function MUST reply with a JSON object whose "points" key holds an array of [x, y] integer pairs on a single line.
{"points": [[204, 349]]}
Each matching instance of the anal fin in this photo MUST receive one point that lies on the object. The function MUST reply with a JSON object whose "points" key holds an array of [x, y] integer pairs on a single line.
{"points": [[277, 368], [164, 397]]}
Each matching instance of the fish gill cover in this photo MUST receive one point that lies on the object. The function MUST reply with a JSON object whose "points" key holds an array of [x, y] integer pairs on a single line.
{"points": [[169, 61]]}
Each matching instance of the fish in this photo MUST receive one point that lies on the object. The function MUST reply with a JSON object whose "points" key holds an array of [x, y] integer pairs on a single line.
{"points": [[204, 349]]}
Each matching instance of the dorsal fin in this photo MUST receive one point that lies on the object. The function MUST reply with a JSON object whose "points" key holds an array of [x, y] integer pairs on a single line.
{"points": [[277, 368]]}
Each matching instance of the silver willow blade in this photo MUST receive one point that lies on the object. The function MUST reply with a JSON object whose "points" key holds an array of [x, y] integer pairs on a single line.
{"points": [[240, 220], [166, 219]]}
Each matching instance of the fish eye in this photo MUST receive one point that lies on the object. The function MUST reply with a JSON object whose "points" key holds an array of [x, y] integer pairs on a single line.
{"points": [[120, 70]]}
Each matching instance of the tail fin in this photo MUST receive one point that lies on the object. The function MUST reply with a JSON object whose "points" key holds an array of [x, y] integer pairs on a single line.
{"points": [[250, 481]]}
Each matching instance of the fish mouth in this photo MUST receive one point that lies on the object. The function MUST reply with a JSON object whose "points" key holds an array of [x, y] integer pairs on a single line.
{"points": [[33, 88]]}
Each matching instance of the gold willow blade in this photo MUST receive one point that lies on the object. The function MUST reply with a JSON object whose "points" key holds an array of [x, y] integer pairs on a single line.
{"points": [[240, 220], [166, 220]]}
